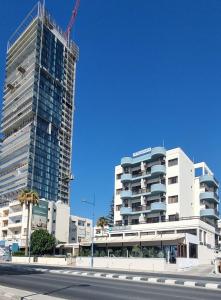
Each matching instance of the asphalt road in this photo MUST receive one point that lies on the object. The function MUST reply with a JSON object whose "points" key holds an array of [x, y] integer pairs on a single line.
{"points": [[78, 287], [152, 274]]}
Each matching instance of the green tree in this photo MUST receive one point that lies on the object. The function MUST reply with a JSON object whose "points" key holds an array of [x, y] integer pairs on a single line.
{"points": [[28, 198], [102, 222], [42, 242], [136, 251]]}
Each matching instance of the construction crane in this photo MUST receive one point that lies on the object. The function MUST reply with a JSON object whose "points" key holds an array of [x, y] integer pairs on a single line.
{"points": [[72, 20]]}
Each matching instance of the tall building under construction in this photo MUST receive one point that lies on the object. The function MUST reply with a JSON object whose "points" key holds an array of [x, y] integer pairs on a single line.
{"points": [[38, 106]]}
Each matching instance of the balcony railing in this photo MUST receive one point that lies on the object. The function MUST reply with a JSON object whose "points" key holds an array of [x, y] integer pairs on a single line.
{"points": [[209, 179], [209, 196], [209, 213]]}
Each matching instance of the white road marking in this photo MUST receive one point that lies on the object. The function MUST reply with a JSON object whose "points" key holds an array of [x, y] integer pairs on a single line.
{"points": [[189, 283], [109, 275], [212, 285], [170, 281], [136, 278], [122, 277], [97, 274], [153, 280]]}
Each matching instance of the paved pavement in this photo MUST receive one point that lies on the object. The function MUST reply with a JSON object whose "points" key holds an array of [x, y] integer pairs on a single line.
{"points": [[7, 293], [60, 282]]}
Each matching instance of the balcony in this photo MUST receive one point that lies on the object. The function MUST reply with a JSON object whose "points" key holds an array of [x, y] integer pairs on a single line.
{"points": [[126, 177], [209, 179], [125, 194], [158, 207], [126, 211], [126, 161], [209, 213], [158, 170], [14, 225], [15, 213], [158, 151], [209, 196], [158, 188]]}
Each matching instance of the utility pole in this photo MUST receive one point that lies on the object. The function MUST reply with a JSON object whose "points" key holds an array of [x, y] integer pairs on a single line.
{"points": [[92, 203]]}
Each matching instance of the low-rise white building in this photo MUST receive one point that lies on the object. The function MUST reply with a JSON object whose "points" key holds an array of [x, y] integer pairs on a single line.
{"points": [[50, 215], [80, 229], [166, 205]]}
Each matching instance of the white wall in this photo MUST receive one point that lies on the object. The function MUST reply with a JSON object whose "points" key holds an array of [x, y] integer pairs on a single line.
{"points": [[185, 186], [183, 262], [117, 198], [62, 222], [138, 264], [205, 255]]}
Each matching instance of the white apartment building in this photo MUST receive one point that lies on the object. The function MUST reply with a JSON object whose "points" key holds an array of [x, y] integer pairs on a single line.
{"points": [[164, 202], [80, 229], [53, 216]]}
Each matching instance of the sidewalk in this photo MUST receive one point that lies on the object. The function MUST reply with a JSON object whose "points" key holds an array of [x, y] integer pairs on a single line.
{"points": [[7, 293]]}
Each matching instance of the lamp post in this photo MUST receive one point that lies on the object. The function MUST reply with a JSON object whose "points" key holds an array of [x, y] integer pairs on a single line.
{"points": [[92, 203]]}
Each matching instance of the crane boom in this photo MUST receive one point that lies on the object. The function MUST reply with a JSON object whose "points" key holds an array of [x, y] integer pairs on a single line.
{"points": [[73, 18]]}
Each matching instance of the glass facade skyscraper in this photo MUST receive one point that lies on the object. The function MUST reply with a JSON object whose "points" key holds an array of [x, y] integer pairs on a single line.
{"points": [[38, 105]]}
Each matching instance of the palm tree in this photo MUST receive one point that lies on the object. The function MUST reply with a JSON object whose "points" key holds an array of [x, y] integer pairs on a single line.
{"points": [[28, 198], [102, 222]]}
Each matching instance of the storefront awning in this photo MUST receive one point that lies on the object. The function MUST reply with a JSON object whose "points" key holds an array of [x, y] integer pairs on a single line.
{"points": [[148, 238]]}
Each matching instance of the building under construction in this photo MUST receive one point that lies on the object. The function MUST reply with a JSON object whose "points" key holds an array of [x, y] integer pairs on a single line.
{"points": [[38, 106]]}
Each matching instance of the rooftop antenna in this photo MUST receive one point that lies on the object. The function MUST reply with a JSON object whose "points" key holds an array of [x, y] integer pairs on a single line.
{"points": [[163, 143]]}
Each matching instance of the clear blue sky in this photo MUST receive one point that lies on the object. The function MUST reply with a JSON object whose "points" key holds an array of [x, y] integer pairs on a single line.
{"points": [[149, 71]]}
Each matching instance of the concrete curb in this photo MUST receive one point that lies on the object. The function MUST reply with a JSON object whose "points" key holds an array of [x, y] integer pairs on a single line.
{"points": [[147, 279]]}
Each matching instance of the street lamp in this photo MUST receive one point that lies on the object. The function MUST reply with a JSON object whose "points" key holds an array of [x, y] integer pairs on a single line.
{"points": [[92, 203]]}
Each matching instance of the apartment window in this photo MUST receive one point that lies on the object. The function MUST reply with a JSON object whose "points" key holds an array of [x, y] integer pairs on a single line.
{"points": [[193, 250], [172, 162], [125, 222], [135, 221], [166, 232], [118, 176], [173, 180], [152, 220], [204, 238], [131, 234], [118, 191], [200, 235], [117, 235], [147, 233], [163, 218], [181, 250], [173, 199], [81, 223], [174, 217], [118, 207], [136, 205], [190, 231], [88, 224], [118, 223]]}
